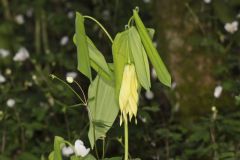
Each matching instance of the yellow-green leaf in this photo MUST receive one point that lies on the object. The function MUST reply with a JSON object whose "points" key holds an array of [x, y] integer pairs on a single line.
{"points": [[161, 70], [120, 49], [103, 108], [139, 58], [82, 47]]}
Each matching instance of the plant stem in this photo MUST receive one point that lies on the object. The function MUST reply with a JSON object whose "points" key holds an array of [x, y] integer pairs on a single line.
{"points": [[126, 139], [7, 14], [101, 26]]}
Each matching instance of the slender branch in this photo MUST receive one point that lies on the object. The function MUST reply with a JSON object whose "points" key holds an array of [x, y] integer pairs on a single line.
{"points": [[100, 25], [81, 91], [54, 76], [196, 18]]}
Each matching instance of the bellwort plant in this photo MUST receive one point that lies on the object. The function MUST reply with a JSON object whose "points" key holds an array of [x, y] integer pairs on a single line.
{"points": [[117, 84]]}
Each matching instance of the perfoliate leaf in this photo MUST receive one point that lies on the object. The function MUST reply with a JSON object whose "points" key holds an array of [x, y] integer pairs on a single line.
{"points": [[82, 47], [103, 108], [121, 50], [161, 70], [139, 58], [58, 141], [97, 60]]}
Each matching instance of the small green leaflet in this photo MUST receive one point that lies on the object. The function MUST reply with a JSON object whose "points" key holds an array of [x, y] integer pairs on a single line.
{"points": [[103, 108], [161, 70], [82, 47], [58, 141], [120, 49], [139, 58]]}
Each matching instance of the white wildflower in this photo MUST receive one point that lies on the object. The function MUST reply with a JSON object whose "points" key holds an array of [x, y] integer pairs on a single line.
{"points": [[154, 73], [67, 151], [19, 19], [80, 149], [10, 103], [21, 55], [218, 91], [4, 53], [231, 27], [70, 14], [207, 1], [70, 76], [2, 78], [149, 95], [64, 40]]}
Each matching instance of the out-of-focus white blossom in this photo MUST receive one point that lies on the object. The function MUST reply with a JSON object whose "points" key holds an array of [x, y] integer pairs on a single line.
{"points": [[67, 151], [174, 84], [80, 149], [70, 76], [29, 12], [218, 91], [70, 14], [231, 27], [146, 1], [207, 1], [4, 53], [19, 19], [2, 78], [11, 103], [154, 73], [21, 55], [149, 95], [64, 40], [8, 71]]}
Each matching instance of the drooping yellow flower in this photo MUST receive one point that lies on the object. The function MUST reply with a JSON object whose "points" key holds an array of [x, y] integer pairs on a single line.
{"points": [[128, 97]]}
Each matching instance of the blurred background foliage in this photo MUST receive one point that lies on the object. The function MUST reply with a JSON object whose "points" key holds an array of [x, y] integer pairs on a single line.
{"points": [[197, 119]]}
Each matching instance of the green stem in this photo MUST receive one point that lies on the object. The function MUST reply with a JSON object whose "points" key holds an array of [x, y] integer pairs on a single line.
{"points": [[103, 148], [54, 76], [101, 26], [126, 139], [129, 21]]}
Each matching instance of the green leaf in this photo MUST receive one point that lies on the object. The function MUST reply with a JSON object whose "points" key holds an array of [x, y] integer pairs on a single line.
{"points": [[82, 47], [121, 50], [51, 156], [58, 141], [98, 62], [103, 108], [139, 58], [161, 70]]}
